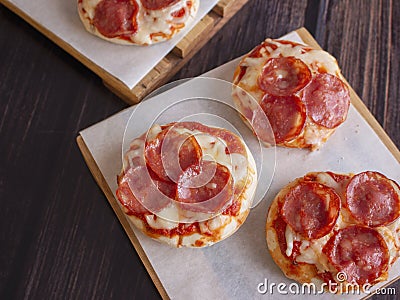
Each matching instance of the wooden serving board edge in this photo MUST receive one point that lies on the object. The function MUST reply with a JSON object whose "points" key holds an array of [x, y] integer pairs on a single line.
{"points": [[98, 176], [167, 67]]}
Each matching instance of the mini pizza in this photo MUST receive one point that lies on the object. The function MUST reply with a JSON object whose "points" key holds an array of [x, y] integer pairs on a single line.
{"points": [[336, 231], [290, 95], [187, 184], [140, 22]]}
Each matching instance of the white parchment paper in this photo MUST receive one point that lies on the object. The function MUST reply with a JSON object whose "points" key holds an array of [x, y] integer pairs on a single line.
{"points": [[127, 63], [233, 269]]}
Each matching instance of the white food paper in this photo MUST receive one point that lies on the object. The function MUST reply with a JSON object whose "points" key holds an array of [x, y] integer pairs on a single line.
{"points": [[234, 268], [129, 64]]}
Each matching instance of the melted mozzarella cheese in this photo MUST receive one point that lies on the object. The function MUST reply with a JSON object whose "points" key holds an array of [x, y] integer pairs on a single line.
{"points": [[204, 228], [136, 221], [153, 132], [135, 152], [290, 236], [314, 134], [216, 223], [310, 251], [255, 66], [395, 229], [169, 213], [230, 228], [89, 6], [190, 240], [250, 186], [159, 223], [154, 21], [340, 222], [326, 179], [213, 149], [390, 240], [170, 240]]}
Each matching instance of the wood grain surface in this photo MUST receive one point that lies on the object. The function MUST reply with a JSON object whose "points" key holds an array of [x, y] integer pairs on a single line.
{"points": [[59, 238]]}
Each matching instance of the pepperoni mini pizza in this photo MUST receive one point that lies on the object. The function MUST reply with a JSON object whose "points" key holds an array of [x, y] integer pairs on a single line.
{"points": [[140, 22], [300, 90], [341, 230], [187, 184]]}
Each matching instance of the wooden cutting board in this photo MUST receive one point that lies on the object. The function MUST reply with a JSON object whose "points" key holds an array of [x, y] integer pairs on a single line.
{"points": [[356, 102], [167, 67]]}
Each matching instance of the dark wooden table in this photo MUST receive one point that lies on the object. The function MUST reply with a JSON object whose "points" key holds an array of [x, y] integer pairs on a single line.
{"points": [[59, 237]]}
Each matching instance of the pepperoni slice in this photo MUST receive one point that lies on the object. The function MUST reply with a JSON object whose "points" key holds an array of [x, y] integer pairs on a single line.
{"points": [[327, 100], [128, 200], [284, 76], [360, 252], [157, 4], [139, 193], [170, 153], [167, 187], [287, 116], [178, 152], [114, 18], [311, 209], [373, 199], [207, 187]]}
